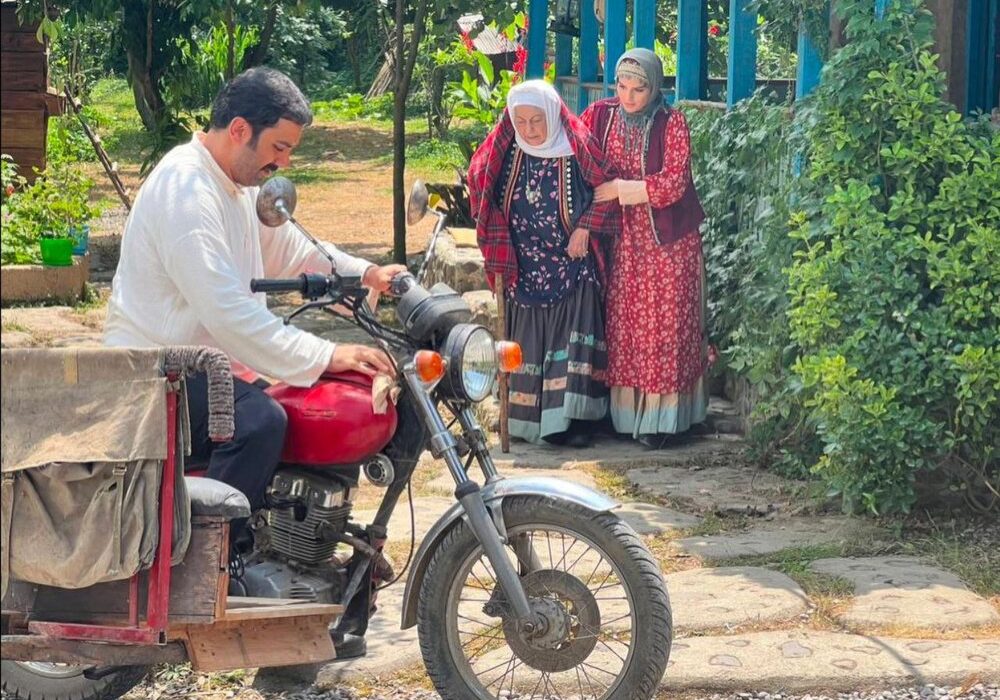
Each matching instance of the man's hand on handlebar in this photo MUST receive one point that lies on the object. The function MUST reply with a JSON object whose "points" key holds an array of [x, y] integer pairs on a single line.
{"points": [[380, 278], [360, 358]]}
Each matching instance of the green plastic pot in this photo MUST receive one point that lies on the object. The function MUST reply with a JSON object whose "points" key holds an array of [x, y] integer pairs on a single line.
{"points": [[57, 252]]}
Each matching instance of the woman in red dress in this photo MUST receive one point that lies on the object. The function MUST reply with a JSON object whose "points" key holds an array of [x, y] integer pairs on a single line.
{"points": [[657, 348]]}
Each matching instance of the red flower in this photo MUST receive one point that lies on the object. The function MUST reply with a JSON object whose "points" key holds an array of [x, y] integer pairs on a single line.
{"points": [[714, 30], [467, 40], [521, 60], [10, 190]]}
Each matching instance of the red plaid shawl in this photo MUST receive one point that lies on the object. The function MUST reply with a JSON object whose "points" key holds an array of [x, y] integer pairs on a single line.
{"points": [[492, 233]]}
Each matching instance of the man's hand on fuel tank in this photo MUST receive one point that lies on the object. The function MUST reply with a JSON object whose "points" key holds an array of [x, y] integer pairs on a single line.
{"points": [[360, 358]]}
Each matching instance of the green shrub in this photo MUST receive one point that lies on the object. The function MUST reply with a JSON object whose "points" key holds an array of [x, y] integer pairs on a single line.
{"points": [[862, 297]]}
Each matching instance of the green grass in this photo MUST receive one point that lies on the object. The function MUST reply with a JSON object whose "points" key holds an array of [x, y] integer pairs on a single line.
{"points": [[110, 110], [971, 553]]}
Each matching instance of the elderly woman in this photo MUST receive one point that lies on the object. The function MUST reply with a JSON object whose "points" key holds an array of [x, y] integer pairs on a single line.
{"points": [[531, 187], [657, 349]]}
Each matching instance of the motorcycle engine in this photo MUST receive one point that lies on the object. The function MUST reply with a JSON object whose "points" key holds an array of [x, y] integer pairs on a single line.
{"points": [[293, 560]]}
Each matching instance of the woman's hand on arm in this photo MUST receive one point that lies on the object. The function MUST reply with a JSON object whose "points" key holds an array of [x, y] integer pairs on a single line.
{"points": [[606, 192], [579, 242]]}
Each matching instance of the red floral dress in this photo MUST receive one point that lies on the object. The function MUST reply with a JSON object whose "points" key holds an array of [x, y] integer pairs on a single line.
{"points": [[657, 353]]}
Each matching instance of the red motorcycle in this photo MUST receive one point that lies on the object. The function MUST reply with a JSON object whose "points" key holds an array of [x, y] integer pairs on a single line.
{"points": [[531, 587]]}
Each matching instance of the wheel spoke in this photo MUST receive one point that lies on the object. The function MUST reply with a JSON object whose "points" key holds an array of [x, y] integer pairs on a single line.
{"points": [[594, 596]]}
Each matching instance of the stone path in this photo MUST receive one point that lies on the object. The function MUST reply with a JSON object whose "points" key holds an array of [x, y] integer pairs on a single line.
{"points": [[706, 476], [728, 603], [704, 599], [828, 661], [776, 536], [737, 628], [887, 591]]}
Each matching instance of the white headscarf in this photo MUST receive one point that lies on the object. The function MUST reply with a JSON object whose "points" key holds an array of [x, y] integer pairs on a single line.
{"points": [[540, 94]]}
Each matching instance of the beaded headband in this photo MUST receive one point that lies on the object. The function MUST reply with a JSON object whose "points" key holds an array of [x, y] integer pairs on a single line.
{"points": [[631, 69]]}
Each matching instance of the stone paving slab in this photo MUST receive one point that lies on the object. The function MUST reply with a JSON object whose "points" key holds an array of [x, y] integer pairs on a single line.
{"points": [[728, 596], [608, 451], [826, 661], [775, 536], [697, 478], [906, 591], [651, 519]]}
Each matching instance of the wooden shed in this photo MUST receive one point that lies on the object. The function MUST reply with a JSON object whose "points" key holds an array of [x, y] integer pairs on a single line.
{"points": [[26, 100]]}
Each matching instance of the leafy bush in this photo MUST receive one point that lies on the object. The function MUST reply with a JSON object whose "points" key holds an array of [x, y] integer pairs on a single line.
{"points": [[67, 143], [895, 288], [56, 202], [862, 298]]}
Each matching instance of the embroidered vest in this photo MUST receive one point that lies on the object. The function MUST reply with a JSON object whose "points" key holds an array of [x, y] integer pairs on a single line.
{"points": [[673, 222]]}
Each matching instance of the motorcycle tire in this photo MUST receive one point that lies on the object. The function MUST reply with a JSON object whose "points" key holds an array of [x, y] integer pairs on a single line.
{"points": [[36, 681], [629, 564]]}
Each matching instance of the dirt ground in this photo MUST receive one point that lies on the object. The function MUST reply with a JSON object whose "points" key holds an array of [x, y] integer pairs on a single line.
{"points": [[343, 173]]}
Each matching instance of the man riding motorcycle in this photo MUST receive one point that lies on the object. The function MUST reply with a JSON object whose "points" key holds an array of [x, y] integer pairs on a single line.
{"points": [[192, 244]]}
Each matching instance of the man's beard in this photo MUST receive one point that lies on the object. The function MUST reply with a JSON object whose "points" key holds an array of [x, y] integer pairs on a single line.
{"points": [[246, 171]]}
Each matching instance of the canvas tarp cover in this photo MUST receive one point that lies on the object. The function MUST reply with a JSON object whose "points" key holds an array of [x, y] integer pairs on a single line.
{"points": [[82, 445]]}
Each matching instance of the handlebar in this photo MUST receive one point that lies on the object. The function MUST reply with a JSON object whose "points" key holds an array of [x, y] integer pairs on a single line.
{"points": [[295, 284], [402, 283], [313, 286]]}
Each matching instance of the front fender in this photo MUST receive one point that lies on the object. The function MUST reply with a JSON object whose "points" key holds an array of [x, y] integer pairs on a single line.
{"points": [[493, 495]]}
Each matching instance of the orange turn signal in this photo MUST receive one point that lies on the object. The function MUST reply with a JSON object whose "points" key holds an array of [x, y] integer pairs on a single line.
{"points": [[509, 355], [430, 366]]}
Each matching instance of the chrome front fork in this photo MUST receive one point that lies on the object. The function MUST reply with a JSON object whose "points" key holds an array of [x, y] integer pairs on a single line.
{"points": [[490, 531]]}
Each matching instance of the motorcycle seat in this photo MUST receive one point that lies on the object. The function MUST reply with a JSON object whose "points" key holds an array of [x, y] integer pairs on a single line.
{"points": [[216, 499]]}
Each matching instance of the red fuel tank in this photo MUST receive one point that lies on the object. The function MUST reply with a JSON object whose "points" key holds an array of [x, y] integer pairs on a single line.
{"points": [[332, 422]]}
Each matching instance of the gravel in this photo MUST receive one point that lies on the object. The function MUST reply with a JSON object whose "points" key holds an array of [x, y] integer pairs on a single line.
{"points": [[927, 692], [179, 691]]}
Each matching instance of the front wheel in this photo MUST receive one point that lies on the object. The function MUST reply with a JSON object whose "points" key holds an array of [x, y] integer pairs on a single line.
{"points": [[605, 624], [36, 680]]}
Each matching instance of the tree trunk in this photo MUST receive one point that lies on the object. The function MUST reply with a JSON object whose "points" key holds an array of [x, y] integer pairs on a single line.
{"points": [[399, 144], [406, 59], [230, 42], [256, 55], [437, 103], [148, 100], [352, 55]]}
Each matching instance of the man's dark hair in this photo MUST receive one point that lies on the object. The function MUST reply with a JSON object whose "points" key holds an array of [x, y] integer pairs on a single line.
{"points": [[262, 96]]}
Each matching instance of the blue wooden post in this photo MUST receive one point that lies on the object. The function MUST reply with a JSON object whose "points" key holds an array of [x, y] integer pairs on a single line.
{"points": [[644, 23], [589, 60], [564, 67], [880, 7], [538, 27], [980, 67], [810, 64], [742, 68], [692, 49], [614, 40], [564, 54]]}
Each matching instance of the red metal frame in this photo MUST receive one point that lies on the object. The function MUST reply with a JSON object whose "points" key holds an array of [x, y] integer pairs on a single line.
{"points": [[154, 631]]}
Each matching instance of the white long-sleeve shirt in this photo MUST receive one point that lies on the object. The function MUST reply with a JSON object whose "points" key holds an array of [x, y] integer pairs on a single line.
{"points": [[191, 245]]}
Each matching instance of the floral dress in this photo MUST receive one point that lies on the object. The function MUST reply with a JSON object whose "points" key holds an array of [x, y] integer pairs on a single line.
{"points": [[657, 350], [555, 310]]}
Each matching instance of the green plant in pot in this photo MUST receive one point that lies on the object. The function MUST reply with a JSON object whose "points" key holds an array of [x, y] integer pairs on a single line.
{"points": [[62, 215]]}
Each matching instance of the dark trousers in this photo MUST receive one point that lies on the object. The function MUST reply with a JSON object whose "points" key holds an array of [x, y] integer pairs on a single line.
{"points": [[248, 461]]}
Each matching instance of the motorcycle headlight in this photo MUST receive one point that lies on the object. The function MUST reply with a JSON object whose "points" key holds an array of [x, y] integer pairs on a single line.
{"points": [[471, 355]]}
